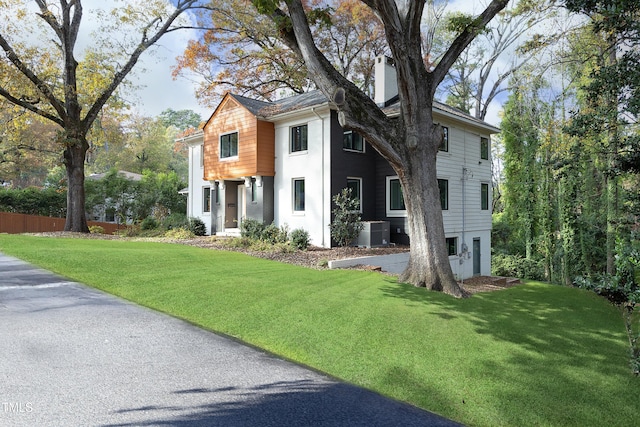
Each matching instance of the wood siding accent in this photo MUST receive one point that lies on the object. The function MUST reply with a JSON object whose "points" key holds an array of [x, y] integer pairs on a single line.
{"points": [[16, 223], [256, 143]]}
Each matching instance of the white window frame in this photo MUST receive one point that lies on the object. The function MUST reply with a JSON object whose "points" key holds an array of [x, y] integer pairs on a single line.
{"points": [[447, 181], [206, 195], [482, 184], [455, 240], [395, 212], [488, 140], [353, 150], [291, 151], [230, 158], [359, 181], [293, 196], [445, 129]]}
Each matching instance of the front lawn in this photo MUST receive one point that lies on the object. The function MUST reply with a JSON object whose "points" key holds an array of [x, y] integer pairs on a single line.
{"points": [[534, 354]]}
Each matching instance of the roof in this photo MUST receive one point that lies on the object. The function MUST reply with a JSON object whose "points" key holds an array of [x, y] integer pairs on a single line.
{"points": [[291, 103], [268, 110], [129, 175]]}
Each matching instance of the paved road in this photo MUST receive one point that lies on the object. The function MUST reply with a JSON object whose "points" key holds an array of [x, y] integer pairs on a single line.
{"points": [[74, 356]]}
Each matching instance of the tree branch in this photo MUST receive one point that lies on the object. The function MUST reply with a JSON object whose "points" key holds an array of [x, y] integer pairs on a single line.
{"points": [[464, 38], [41, 85], [145, 42]]}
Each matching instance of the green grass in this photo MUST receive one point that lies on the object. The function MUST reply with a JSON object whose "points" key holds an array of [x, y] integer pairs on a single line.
{"points": [[535, 354]]}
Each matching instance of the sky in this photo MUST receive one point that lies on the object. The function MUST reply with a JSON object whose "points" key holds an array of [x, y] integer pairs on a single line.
{"points": [[156, 90]]}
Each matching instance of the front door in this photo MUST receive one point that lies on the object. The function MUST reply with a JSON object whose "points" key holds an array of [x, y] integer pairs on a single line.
{"points": [[476, 257]]}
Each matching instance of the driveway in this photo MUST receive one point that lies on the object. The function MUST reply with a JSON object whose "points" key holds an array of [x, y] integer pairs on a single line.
{"points": [[74, 356]]}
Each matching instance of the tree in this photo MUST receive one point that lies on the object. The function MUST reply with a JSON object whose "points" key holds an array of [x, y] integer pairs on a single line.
{"points": [[68, 92], [409, 142], [612, 97], [241, 51], [27, 148], [181, 120], [521, 167]]}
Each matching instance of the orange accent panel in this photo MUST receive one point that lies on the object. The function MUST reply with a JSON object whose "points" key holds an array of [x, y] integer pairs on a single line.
{"points": [[256, 143]]}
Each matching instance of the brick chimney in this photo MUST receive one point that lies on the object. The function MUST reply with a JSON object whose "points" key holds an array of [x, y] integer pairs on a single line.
{"points": [[386, 84]]}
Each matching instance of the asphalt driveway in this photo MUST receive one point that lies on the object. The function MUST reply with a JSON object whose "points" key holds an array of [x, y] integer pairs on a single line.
{"points": [[74, 356]]}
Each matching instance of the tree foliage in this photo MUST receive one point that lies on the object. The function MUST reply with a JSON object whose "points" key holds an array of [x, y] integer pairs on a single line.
{"points": [[242, 52], [42, 74]]}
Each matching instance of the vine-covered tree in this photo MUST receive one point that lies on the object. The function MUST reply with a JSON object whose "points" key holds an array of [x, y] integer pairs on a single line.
{"points": [[47, 77], [611, 97], [410, 142]]}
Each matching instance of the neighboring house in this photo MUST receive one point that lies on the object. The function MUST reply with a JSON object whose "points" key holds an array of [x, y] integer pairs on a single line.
{"points": [[283, 161], [108, 209]]}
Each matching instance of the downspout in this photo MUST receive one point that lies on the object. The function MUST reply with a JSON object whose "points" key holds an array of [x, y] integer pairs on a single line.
{"points": [[313, 109]]}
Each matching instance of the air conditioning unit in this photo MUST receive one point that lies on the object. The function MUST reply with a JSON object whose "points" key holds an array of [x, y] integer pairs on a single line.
{"points": [[375, 234]]}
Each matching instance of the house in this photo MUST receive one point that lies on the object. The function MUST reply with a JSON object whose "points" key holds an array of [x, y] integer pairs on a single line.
{"points": [[110, 209], [283, 161]]}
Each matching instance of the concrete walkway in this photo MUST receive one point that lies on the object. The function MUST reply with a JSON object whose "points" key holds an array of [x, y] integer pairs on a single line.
{"points": [[74, 356]]}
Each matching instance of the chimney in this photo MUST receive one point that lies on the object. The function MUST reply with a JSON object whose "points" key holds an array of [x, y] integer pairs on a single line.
{"points": [[386, 84]]}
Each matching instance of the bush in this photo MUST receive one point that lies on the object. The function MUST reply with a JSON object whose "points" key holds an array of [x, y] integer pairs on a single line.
{"points": [[300, 239], [197, 227], [252, 229], [347, 223], [179, 233], [622, 289], [96, 229], [149, 223], [517, 266], [271, 235], [175, 220]]}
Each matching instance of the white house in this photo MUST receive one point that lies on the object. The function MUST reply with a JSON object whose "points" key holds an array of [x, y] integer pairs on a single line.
{"points": [[283, 161]]}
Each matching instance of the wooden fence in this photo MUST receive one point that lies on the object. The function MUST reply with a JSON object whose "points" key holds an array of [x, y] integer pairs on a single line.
{"points": [[14, 223]]}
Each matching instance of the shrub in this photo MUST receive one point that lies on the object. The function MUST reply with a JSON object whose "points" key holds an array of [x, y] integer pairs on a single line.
{"points": [[623, 289], [175, 220], [96, 229], [197, 227], [149, 223], [251, 228], [271, 234], [517, 266], [179, 233], [238, 242], [347, 223], [300, 239]]}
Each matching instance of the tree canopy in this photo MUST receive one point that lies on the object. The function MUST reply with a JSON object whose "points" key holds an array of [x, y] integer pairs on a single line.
{"points": [[43, 75]]}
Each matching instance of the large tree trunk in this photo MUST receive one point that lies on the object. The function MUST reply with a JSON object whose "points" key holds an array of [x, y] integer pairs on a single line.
{"points": [[428, 259], [74, 157]]}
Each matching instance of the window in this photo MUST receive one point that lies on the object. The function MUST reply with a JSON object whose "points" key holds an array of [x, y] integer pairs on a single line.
{"points": [[484, 148], [352, 141], [484, 197], [355, 184], [444, 146], [299, 136], [206, 199], [443, 185], [216, 188], [229, 145], [452, 246], [298, 195], [396, 199]]}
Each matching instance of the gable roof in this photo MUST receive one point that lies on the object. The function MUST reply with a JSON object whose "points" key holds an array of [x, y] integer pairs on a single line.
{"points": [[315, 98]]}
